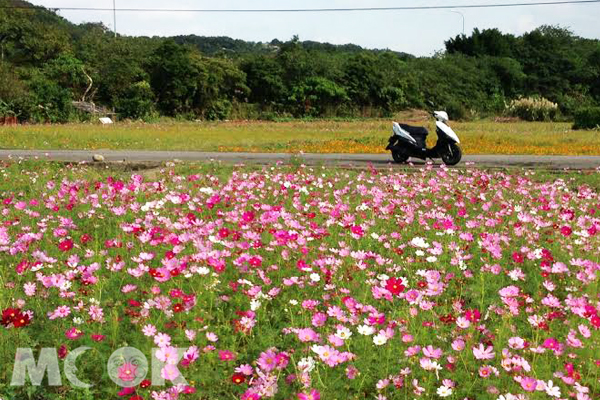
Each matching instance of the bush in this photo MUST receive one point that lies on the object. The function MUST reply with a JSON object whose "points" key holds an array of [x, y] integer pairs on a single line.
{"points": [[457, 111], [533, 109], [136, 102], [587, 118]]}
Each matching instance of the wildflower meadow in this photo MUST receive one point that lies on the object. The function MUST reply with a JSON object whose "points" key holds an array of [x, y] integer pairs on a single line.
{"points": [[299, 283]]}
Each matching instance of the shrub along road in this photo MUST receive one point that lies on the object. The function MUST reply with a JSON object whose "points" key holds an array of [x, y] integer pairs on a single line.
{"points": [[377, 160]]}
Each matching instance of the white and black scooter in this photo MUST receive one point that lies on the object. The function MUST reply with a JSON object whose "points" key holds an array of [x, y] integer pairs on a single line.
{"points": [[410, 141]]}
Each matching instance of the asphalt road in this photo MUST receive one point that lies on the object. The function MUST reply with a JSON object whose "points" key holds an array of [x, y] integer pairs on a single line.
{"points": [[357, 160]]}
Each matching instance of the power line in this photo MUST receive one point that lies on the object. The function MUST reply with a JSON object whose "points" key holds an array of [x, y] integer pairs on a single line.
{"points": [[314, 10]]}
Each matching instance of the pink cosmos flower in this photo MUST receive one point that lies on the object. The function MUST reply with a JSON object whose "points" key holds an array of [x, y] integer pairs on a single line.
{"points": [[509, 291], [307, 335], [96, 313], [162, 340], [319, 319], [407, 338], [516, 343], [335, 340], [485, 371], [529, 384], [128, 288], [250, 395], [412, 350], [245, 369], [190, 334], [169, 372], [432, 352], [167, 355], [268, 360], [60, 312], [351, 372], [313, 395], [29, 289], [458, 344], [483, 353], [149, 330]]}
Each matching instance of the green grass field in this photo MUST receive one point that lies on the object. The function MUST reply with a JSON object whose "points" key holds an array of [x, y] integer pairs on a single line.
{"points": [[364, 136]]}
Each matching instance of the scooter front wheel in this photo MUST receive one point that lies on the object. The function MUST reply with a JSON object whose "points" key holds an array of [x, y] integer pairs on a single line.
{"points": [[452, 155], [399, 157]]}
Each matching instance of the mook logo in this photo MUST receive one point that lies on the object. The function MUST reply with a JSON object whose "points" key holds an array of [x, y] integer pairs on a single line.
{"points": [[127, 367]]}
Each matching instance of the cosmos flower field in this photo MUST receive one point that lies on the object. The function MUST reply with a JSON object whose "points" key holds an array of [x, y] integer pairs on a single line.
{"points": [[290, 282]]}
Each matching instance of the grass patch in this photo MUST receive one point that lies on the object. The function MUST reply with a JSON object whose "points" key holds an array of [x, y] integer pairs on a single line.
{"points": [[364, 136]]}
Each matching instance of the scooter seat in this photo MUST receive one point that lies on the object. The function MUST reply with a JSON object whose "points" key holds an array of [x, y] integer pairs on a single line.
{"points": [[415, 130], [418, 132]]}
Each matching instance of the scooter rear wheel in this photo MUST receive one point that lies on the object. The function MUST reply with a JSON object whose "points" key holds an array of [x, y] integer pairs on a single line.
{"points": [[452, 155], [399, 157]]}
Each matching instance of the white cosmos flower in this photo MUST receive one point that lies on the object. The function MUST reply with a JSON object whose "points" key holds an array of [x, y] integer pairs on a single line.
{"points": [[254, 304], [203, 271], [552, 390], [366, 330], [306, 364], [380, 339], [343, 333], [315, 277], [419, 242], [444, 391]]}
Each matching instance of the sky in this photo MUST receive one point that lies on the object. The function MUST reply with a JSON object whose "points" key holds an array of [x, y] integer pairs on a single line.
{"points": [[418, 32]]}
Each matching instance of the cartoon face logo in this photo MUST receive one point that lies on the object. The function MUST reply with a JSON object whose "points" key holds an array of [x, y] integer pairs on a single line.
{"points": [[127, 367]]}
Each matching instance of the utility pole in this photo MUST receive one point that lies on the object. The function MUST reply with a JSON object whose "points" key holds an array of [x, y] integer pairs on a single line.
{"points": [[463, 19], [115, 16]]}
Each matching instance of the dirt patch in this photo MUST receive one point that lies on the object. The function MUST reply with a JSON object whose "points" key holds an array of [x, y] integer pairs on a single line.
{"points": [[507, 120], [412, 115]]}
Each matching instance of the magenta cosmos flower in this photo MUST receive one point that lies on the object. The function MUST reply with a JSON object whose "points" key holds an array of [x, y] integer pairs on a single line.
{"points": [[126, 372], [73, 333], [313, 395]]}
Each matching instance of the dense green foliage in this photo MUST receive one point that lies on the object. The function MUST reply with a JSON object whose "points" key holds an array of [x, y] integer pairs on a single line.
{"points": [[47, 63], [587, 118]]}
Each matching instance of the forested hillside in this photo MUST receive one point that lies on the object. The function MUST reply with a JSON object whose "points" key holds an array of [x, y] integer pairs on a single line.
{"points": [[47, 63]]}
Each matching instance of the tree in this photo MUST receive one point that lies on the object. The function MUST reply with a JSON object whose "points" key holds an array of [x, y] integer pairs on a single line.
{"points": [[14, 95], [51, 102], [69, 73], [264, 78], [221, 84], [375, 82], [174, 78], [136, 101], [594, 60], [318, 97], [489, 42]]}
